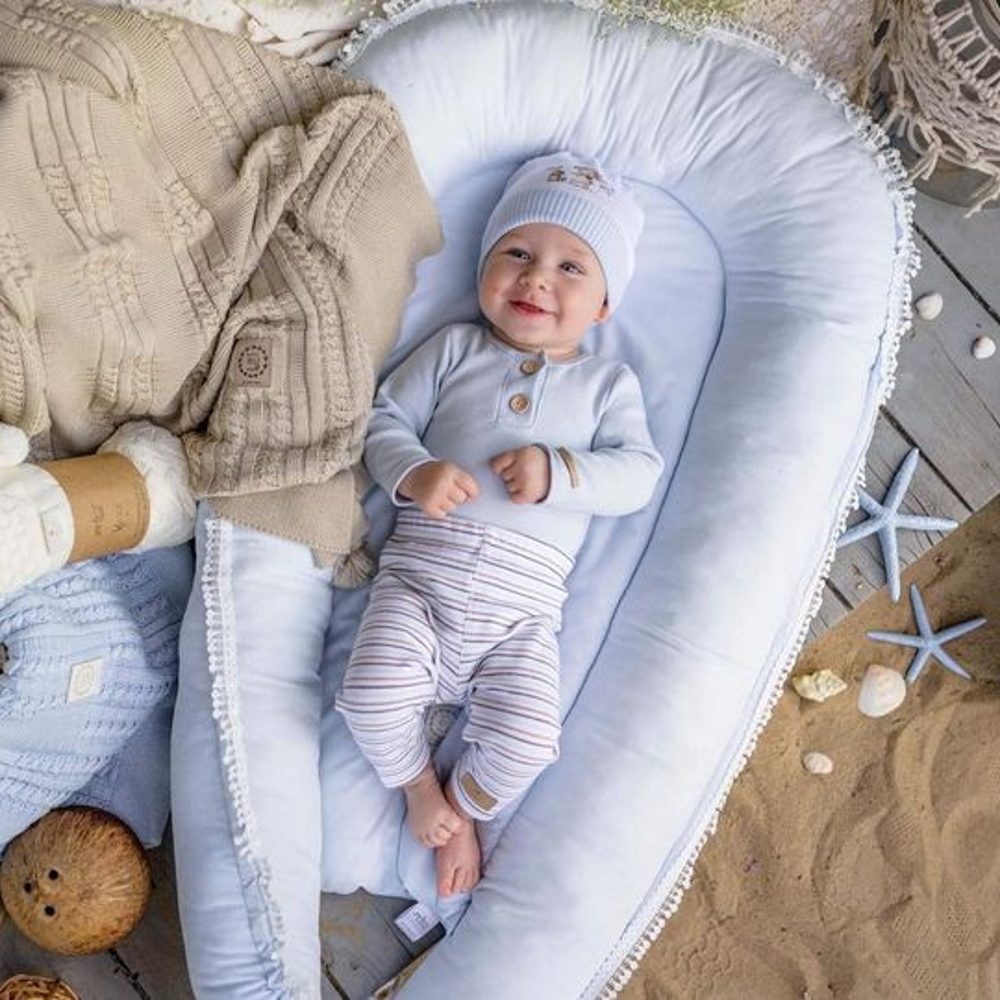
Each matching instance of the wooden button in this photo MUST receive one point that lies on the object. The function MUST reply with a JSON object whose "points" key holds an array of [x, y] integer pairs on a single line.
{"points": [[519, 403], [530, 366]]}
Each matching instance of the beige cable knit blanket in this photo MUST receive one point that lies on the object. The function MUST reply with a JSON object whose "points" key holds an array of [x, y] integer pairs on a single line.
{"points": [[195, 230]]}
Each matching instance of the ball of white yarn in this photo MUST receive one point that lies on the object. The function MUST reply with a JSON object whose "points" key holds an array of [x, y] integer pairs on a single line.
{"points": [[160, 458], [13, 445]]}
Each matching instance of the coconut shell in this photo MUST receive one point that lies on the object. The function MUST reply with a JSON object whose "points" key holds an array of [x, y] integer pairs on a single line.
{"points": [[36, 988], [75, 882]]}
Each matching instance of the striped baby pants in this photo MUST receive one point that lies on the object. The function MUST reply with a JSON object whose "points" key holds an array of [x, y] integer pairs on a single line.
{"points": [[460, 612]]}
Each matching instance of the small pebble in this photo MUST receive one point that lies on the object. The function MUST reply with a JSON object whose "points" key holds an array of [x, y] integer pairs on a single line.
{"points": [[984, 347], [817, 763], [929, 306]]}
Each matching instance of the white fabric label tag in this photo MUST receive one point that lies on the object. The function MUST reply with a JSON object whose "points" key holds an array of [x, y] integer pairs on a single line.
{"points": [[84, 680], [416, 921]]}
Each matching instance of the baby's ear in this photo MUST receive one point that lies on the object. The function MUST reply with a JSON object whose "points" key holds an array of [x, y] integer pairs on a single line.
{"points": [[603, 313]]}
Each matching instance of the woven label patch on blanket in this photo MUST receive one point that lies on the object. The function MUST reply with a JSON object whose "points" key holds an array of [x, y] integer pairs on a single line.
{"points": [[85, 680], [253, 363]]}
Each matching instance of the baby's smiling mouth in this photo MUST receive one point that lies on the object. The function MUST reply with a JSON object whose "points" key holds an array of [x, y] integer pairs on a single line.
{"points": [[527, 308]]}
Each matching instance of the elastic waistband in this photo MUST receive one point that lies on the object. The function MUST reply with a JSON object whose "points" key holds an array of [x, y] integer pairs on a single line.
{"points": [[461, 532]]}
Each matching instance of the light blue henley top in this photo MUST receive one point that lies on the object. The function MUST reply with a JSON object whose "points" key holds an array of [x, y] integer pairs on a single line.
{"points": [[465, 396]]}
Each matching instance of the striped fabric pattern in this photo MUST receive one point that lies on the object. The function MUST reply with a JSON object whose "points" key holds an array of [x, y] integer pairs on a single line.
{"points": [[460, 611]]}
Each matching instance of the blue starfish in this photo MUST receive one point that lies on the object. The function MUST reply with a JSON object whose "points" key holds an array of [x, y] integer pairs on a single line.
{"points": [[928, 643], [884, 519]]}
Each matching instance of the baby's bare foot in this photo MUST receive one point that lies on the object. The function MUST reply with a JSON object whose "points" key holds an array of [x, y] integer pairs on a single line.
{"points": [[430, 817], [458, 861]]}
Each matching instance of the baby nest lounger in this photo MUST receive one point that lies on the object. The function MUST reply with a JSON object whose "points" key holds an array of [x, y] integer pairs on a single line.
{"points": [[771, 291]]}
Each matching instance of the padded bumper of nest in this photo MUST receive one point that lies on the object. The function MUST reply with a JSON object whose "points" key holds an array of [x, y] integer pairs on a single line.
{"points": [[771, 290]]}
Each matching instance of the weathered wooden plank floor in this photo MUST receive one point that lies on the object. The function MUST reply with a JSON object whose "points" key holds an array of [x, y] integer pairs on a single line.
{"points": [[946, 403]]}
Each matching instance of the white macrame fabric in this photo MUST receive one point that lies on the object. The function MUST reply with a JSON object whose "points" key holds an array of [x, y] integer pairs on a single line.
{"points": [[837, 34], [945, 88]]}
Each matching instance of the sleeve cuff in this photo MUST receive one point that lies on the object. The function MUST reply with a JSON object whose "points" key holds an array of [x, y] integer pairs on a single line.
{"points": [[394, 495], [563, 475]]}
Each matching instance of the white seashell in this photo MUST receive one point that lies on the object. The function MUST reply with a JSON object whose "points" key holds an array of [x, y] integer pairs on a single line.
{"points": [[817, 763], [984, 347], [882, 691], [818, 686], [929, 306]]}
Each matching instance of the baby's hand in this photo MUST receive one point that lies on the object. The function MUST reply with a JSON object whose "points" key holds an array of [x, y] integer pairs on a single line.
{"points": [[438, 487], [525, 473]]}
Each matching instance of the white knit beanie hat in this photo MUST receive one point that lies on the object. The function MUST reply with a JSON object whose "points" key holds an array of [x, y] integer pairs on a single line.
{"points": [[574, 192]]}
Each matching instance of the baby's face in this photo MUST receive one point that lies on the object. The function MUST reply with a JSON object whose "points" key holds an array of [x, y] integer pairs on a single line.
{"points": [[542, 288]]}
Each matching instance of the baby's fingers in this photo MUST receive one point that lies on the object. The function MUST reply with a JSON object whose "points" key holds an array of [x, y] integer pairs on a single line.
{"points": [[499, 463], [438, 509]]}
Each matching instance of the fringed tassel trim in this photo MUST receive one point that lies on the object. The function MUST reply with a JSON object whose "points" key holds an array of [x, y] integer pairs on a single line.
{"points": [[255, 874]]}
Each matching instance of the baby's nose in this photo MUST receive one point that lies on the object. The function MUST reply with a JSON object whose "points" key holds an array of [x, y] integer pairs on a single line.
{"points": [[534, 277]]}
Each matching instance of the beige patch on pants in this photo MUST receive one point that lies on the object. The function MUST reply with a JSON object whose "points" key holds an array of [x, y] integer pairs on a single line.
{"points": [[474, 790]]}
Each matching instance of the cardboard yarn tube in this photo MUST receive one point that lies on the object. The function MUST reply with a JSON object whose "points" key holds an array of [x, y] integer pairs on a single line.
{"points": [[109, 502]]}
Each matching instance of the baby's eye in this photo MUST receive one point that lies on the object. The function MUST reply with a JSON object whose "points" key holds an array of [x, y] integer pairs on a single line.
{"points": [[517, 253], [570, 268]]}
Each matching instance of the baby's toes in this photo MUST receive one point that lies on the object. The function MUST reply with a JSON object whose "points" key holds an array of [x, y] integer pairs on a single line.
{"points": [[452, 822], [446, 879], [475, 876]]}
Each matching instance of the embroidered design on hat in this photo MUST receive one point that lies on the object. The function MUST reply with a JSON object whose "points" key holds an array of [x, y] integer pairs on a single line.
{"points": [[584, 177]]}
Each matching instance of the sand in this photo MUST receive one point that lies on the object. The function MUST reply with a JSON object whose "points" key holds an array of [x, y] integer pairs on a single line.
{"points": [[882, 879]]}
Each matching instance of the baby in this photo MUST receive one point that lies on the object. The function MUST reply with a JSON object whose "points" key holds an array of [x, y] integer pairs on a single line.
{"points": [[499, 440]]}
